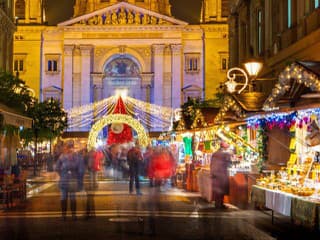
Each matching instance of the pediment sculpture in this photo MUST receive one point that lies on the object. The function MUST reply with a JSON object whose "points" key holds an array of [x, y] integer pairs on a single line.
{"points": [[123, 16]]}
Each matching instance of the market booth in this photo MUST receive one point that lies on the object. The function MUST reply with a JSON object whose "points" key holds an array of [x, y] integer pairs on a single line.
{"points": [[11, 186], [293, 189], [204, 140]]}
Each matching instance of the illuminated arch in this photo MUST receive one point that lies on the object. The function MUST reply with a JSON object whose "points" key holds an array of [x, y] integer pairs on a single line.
{"points": [[117, 118]]}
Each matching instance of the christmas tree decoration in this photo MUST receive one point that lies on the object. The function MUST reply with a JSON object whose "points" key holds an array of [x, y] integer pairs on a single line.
{"points": [[119, 132]]}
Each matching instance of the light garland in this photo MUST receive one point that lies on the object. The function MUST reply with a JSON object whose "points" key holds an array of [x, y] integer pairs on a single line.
{"points": [[150, 115], [117, 118], [229, 104], [297, 72]]}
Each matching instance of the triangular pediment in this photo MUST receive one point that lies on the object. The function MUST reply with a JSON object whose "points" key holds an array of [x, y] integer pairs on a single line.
{"points": [[123, 13]]}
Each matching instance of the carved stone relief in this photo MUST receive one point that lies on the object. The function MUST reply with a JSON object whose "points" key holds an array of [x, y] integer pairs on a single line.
{"points": [[123, 16]]}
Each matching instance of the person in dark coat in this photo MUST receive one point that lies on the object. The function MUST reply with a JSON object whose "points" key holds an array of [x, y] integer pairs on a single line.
{"points": [[135, 159], [220, 161], [68, 168]]}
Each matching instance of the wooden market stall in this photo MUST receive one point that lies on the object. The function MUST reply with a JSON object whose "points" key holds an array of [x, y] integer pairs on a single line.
{"points": [[293, 107], [11, 186]]}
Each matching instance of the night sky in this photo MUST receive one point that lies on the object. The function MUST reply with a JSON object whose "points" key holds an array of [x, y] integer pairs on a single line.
{"points": [[61, 10]]}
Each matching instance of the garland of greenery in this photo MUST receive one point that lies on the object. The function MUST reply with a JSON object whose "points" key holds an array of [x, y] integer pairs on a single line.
{"points": [[261, 139]]}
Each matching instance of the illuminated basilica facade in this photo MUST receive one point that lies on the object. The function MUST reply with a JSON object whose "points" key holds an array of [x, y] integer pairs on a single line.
{"points": [[135, 46]]}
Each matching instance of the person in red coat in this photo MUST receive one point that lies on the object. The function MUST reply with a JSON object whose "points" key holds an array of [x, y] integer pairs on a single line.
{"points": [[162, 166], [220, 161]]}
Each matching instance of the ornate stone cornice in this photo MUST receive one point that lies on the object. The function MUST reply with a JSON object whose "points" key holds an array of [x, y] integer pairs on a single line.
{"points": [[124, 28], [123, 13]]}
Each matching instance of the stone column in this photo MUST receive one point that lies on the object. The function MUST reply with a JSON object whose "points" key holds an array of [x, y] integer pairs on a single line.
{"points": [[158, 58], [67, 77], [27, 11], [86, 52], [176, 75], [146, 85], [98, 86]]}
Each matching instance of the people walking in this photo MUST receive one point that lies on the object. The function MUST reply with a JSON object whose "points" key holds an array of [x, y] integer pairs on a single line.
{"points": [[134, 158], [95, 161], [220, 161], [68, 168]]}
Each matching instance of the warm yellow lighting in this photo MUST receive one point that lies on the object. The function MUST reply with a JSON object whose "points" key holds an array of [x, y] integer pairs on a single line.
{"points": [[121, 93], [117, 118], [232, 84], [253, 68]]}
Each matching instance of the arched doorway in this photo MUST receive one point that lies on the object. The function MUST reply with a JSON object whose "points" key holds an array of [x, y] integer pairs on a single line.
{"points": [[122, 72], [117, 118]]}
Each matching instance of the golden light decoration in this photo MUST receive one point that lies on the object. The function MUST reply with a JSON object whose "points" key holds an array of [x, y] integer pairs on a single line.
{"points": [[229, 104], [150, 115], [294, 71], [117, 118]]}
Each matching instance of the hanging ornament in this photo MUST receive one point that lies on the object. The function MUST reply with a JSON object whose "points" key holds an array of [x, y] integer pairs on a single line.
{"points": [[117, 127]]}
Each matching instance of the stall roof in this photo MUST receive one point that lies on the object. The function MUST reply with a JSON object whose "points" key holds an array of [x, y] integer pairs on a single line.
{"points": [[298, 84], [313, 66], [11, 117]]}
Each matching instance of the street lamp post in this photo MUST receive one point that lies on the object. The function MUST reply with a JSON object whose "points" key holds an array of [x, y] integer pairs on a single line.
{"points": [[252, 69]]}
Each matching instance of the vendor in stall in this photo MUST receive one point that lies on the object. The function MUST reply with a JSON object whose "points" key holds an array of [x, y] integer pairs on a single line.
{"points": [[219, 164]]}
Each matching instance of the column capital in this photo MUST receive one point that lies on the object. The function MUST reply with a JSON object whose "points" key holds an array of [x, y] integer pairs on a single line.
{"points": [[176, 49], [146, 79], [86, 50], [158, 49], [68, 49]]}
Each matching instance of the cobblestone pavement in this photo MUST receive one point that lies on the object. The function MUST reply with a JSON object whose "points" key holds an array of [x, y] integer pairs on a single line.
{"points": [[169, 214]]}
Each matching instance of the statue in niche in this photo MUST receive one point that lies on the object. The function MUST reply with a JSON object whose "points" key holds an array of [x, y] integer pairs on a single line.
{"points": [[114, 18], [93, 21], [122, 16], [137, 18], [153, 20], [100, 20], [145, 19], [130, 17], [83, 22], [108, 19]]}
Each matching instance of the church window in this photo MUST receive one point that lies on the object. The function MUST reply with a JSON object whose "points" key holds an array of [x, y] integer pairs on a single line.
{"points": [[20, 9], [52, 66], [223, 64], [52, 61], [19, 63], [316, 3], [223, 61], [192, 62]]}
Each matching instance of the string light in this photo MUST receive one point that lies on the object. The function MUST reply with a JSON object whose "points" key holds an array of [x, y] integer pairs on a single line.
{"points": [[150, 115], [294, 71]]}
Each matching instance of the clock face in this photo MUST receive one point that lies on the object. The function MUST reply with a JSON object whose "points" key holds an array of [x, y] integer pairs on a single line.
{"points": [[117, 127]]}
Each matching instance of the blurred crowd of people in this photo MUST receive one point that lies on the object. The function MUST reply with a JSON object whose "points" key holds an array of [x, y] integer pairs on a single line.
{"points": [[127, 161]]}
